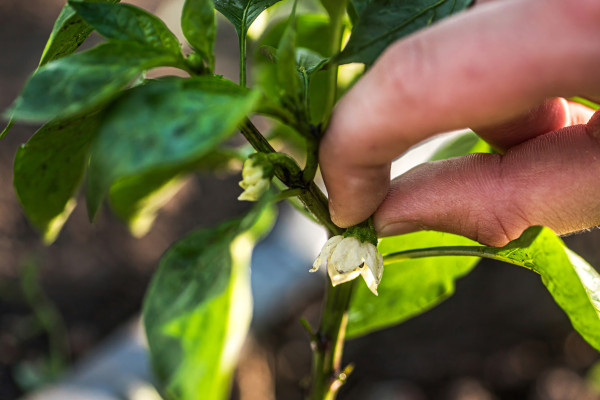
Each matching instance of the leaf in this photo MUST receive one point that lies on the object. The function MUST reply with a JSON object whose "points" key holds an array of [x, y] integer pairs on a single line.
{"points": [[572, 282], [199, 28], [198, 307], [408, 287], [127, 22], [49, 168], [190, 117], [82, 81], [68, 33], [241, 13], [466, 143], [310, 29], [137, 199], [382, 22]]}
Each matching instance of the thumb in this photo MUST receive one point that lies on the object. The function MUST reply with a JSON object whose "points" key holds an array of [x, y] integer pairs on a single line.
{"points": [[550, 180]]}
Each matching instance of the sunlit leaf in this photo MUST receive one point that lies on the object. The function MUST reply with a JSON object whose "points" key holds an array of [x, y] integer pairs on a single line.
{"points": [[408, 287], [242, 13], [198, 308]]}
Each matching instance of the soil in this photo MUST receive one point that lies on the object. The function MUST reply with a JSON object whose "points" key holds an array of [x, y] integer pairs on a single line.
{"points": [[500, 337]]}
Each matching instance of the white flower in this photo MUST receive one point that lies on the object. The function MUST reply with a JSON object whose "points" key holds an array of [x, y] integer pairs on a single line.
{"points": [[347, 258], [255, 180]]}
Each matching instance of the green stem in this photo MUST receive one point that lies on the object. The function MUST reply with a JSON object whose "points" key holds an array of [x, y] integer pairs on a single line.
{"points": [[336, 15], [468, 251], [242, 45], [328, 343], [312, 197]]}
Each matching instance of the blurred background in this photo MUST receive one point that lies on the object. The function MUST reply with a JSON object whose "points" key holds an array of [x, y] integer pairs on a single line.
{"points": [[69, 308]]}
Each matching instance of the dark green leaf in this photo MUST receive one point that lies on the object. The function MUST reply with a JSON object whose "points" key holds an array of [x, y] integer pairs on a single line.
{"points": [[69, 32], [409, 287], [82, 81], [572, 282], [48, 171], [382, 22], [127, 22], [242, 13], [198, 24], [466, 143], [190, 117], [198, 307], [137, 199]]}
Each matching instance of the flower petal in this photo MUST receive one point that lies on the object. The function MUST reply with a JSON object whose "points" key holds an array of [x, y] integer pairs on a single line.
{"points": [[325, 253], [347, 256]]}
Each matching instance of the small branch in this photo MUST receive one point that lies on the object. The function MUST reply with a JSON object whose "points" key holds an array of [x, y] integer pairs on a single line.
{"points": [[467, 251]]}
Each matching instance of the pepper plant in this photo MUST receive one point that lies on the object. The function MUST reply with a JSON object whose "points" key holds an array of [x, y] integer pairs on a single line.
{"points": [[133, 139]]}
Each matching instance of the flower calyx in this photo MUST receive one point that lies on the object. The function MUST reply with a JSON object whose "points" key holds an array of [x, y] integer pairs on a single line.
{"points": [[347, 257], [257, 173]]}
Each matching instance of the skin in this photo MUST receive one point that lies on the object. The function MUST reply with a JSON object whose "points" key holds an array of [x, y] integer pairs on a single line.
{"points": [[504, 69]]}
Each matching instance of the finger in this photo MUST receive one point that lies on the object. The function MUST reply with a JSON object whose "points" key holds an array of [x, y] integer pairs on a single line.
{"points": [[551, 115], [550, 180], [481, 68]]}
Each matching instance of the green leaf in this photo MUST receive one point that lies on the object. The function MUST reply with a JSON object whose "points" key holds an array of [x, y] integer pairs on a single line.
{"points": [[241, 13], [127, 22], [310, 48], [408, 287], [82, 81], [466, 143], [68, 33], [572, 282], [190, 117], [198, 307], [381, 22], [137, 199], [49, 169], [199, 28]]}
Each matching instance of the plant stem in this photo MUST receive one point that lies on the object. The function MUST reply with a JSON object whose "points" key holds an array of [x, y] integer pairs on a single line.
{"points": [[336, 15], [468, 251], [312, 197], [242, 45], [328, 343]]}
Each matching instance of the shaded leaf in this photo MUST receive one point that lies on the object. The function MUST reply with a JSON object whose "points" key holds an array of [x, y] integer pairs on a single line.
{"points": [[190, 117], [381, 22], [137, 199], [49, 168], [68, 33], [199, 28], [127, 22], [242, 13], [409, 287], [82, 81], [198, 307]]}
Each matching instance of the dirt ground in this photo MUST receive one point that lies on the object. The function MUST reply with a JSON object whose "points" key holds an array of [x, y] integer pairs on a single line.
{"points": [[500, 337]]}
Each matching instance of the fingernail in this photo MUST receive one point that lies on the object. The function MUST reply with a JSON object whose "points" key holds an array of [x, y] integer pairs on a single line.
{"points": [[398, 228]]}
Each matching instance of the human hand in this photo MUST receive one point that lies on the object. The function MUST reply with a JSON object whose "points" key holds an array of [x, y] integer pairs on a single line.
{"points": [[498, 68]]}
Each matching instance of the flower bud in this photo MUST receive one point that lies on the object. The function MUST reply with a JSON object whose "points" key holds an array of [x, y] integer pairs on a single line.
{"points": [[256, 177]]}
